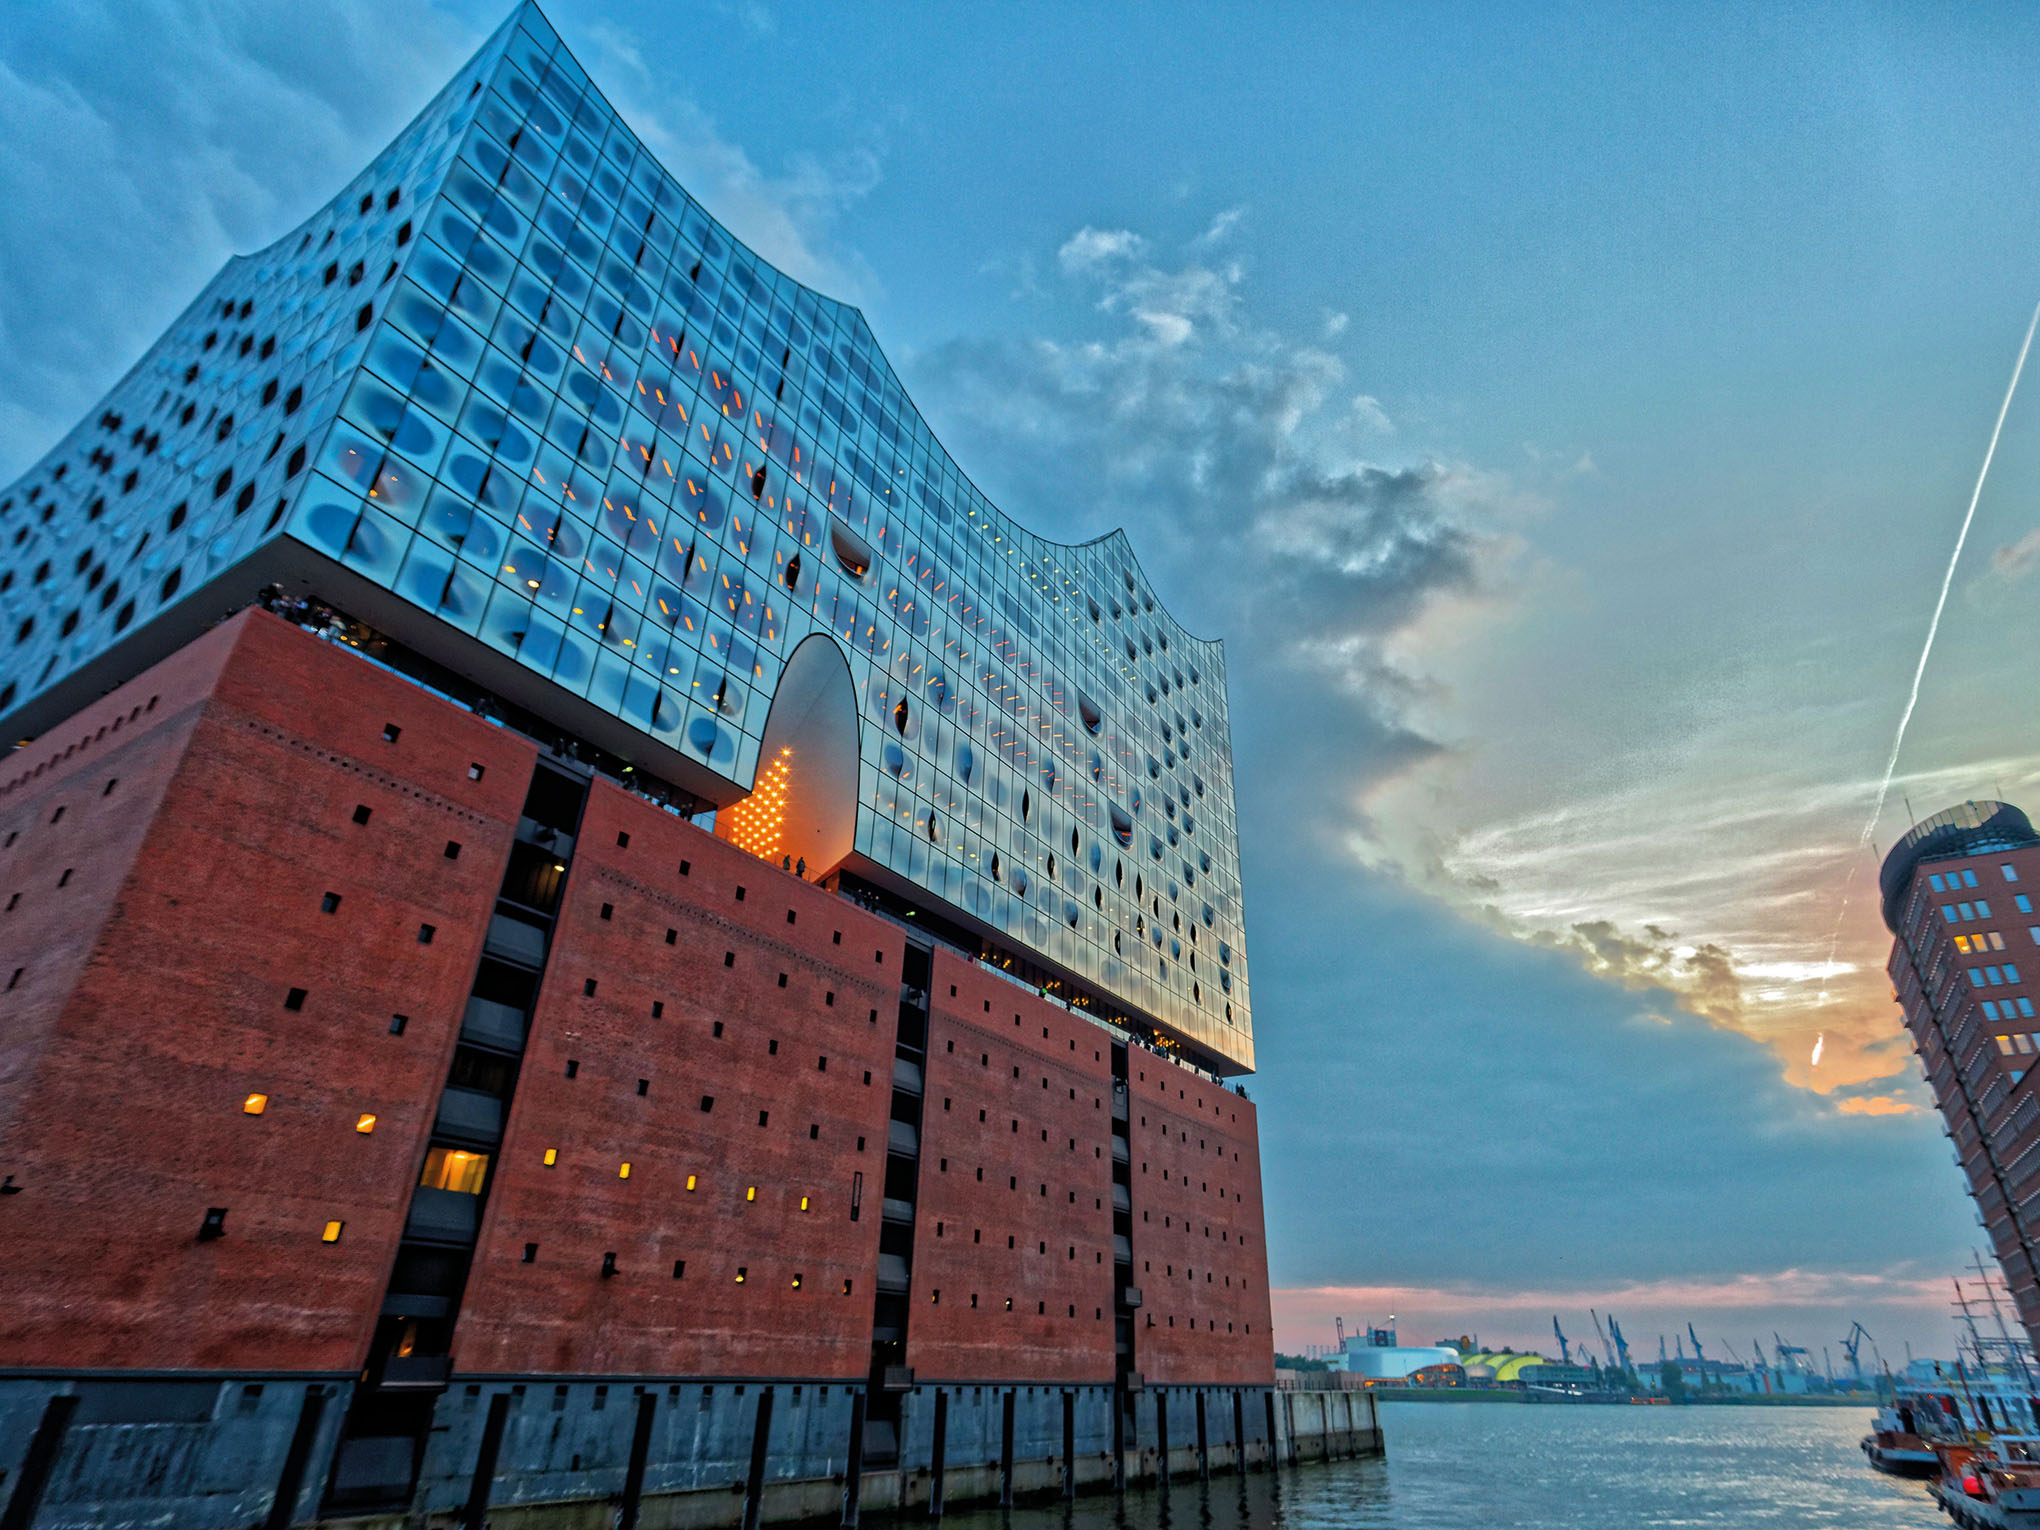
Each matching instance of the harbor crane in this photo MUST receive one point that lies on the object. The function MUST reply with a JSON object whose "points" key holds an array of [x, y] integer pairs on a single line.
{"points": [[1564, 1349], [1602, 1334], [1791, 1357], [1621, 1344], [1852, 1343]]}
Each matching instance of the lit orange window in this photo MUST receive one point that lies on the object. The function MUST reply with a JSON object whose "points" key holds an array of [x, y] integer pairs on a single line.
{"points": [[255, 1104], [690, 1182], [454, 1169], [364, 1123], [623, 1171], [552, 1156], [332, 1232], [751, 1193]]}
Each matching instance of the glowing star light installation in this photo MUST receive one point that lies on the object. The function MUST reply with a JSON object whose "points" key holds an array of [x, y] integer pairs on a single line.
{"points": [[756, 822]]}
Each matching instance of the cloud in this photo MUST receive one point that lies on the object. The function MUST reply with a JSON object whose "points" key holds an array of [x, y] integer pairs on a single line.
{"points": [[1250, 465], [1335, 324], [1089, 247], [1876, 1105], [2017, 559], [150, 142]]}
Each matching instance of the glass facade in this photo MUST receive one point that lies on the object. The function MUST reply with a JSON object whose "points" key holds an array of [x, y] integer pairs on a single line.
{"points": [[517, 378]]}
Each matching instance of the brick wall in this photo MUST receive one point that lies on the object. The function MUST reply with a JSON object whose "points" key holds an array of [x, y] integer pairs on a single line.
{"points": [[1198, 1249], [791, 976], [1015, 1207], [129, 1122]]}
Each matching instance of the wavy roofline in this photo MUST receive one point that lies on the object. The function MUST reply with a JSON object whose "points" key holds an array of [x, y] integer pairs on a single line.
{"points": [[533, 8]]}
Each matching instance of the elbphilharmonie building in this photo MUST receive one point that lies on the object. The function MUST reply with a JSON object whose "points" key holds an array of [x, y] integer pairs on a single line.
{"points": [[589, 920]]}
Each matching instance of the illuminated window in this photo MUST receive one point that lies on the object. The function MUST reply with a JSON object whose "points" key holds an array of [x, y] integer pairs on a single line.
{"points": [[796, 1280], [454, 1169], [255, 1104], [364, 1123], [332, 1232], [690, 1182], [1962, 944], [552, 1156], [751, 1193], [623, 1170], [742, 1274], [803, 1203]]}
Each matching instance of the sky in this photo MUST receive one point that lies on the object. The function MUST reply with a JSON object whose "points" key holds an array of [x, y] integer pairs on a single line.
{"points": [[1564, 413]]}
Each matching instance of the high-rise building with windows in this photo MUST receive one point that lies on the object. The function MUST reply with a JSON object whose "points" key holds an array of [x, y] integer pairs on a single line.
{"points": [[1958, 894], [584, 917]]}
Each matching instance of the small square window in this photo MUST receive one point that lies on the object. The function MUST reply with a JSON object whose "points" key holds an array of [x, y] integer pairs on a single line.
{"points": [[588, 988], [764, 1116], [531, 1253], [685, 867], [330, 903], [679, 1268], [622, 840], [552, 1157], [772, 1048], [729, 958], [391, 733], [255, 1104], [426, 932], [295, 999], [838, 939], [717, 1030], [573, 1066], [644, 1086], [364, 1123], [658, 1008], [829, 999], [782, 980], [740, 895], [361, 811], [743, 1274], [475, 772], [609, 911], [397, 1024], [814, 1132], [332, 1232], [672, 937], [453, 849], [707, 1103]]}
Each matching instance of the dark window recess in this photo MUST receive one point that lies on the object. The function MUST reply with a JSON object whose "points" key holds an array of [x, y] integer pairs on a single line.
{"points": [[782, 976], [622, 840], [718, 1028], [391, 733], [707, 1103], [679, 1268], [397, 1024], [789, 916], [453, 849], [729, 958], [214, 1225], [672, 936], [426, 932], [361, 812], [685, 867], [588, 988], [644, 1086], [573, 1066], [330, 903], [829, 999], [740, 895], [531, 1253], [609, 911], [488, 1072], [658, 1008], [295, 999], [764, 1116], [534, 878]]}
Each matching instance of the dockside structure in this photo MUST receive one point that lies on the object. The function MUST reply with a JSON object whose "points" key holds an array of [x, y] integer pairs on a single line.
{"points": [[1958, 894], [662, 950]]}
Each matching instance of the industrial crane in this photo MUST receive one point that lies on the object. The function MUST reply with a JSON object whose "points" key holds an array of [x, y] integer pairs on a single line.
{"points": [[1852, 1343], [1602, 1334], [1621, 1344], [1564, 1349]]}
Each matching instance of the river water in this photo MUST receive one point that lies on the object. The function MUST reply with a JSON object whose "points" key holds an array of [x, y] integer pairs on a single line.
{"points": [[1460, 1466]]}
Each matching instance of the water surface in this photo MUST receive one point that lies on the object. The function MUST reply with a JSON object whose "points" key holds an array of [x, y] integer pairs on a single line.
{"points": [[1455, 1466]]}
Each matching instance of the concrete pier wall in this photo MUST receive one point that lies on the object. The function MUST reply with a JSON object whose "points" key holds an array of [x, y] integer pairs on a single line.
{"points": [[212, 1453]]}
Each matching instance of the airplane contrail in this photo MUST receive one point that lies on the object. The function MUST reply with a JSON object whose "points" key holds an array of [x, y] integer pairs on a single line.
{"points": [[1933, 628]]}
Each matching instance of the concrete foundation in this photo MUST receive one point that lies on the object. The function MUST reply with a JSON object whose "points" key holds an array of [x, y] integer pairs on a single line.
{"points": [[213, 1453]]}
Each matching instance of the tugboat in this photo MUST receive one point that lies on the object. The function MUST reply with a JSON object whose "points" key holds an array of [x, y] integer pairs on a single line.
{"points": [[1894, 1444], [1991, 1486]]}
